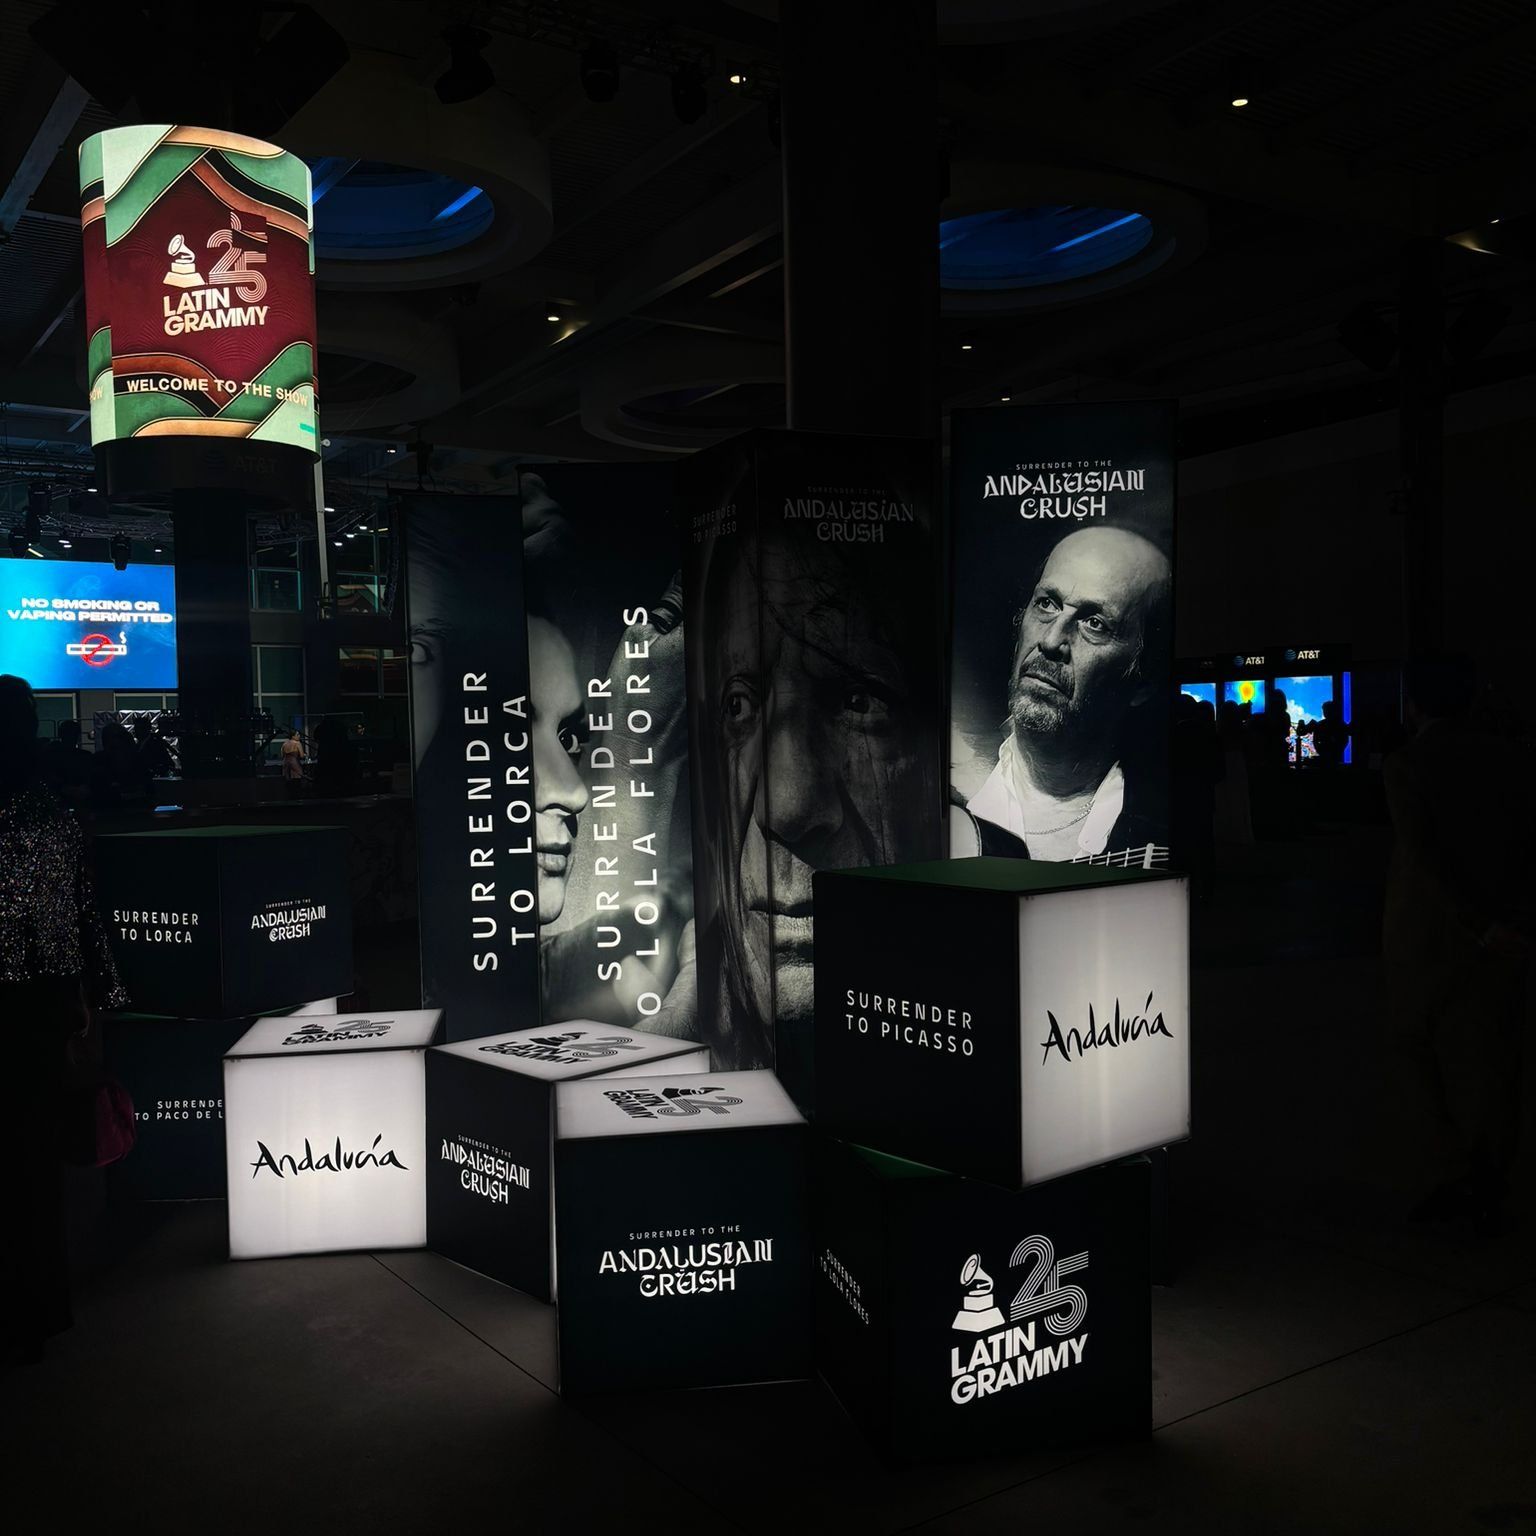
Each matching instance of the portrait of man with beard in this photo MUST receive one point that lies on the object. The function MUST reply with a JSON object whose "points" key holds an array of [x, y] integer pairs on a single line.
{"points": [[815, 699], [1077, 776]]}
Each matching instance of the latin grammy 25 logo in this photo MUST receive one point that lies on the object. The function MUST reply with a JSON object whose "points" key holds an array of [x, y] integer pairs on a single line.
{"points": [[568, 1049], [353, 1029], [642, 1104], [209, 305], [1006, 1352]]}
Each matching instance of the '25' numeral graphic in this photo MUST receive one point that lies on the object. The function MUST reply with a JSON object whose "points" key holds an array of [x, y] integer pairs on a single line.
{"points": [[1064, 1306], [235, 265]]}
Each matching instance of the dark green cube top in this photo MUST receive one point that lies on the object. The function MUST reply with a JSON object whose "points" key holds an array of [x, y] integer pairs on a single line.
{"points": [[241, 830], [1015, 877]]}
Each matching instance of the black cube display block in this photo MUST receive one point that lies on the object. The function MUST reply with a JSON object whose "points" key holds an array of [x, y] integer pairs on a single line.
{"points": [[682, 1232], [216, 922], [1001, 1018], [173, 1070], [955, 1318], [490, 1124]]}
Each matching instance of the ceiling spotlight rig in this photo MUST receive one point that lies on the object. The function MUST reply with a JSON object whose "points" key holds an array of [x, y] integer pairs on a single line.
{"points": [[690, 101], [610, 37], [599, 71]]}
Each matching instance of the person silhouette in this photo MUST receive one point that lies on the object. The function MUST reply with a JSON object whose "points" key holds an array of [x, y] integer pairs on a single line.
{"points": [[1456, 943]]}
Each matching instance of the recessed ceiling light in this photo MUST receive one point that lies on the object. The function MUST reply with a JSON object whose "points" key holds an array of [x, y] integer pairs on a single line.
{"points": [[329, 509], [337, 543], [1004, 399], [391, 450], [92, 488], [65, 544], [158, 550], [553, 319], [738, 79], [1495, 221], [1239, 101]]}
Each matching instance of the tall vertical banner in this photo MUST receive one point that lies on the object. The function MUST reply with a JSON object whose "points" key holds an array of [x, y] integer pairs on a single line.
{"points": [[603, 579], [472, 732], [1061, 698], [200, 308], [815, 708]]}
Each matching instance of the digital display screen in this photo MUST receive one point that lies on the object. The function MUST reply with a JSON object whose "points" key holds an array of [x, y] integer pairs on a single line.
{"points": [[1245, 690], [1304, 700], [72, 624], [199, 286], [1201, 693]]}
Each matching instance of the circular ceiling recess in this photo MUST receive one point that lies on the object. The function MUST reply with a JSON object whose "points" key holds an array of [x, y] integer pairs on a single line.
{"points": [[1016, 236], [410, 193], [697, 391], [366, 210], [1001, 249]]}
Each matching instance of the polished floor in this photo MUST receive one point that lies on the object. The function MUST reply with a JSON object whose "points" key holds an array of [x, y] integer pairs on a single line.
{"points": [[1320, 1364]]}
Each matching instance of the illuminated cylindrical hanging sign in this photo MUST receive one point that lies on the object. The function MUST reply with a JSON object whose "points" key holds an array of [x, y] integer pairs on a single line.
{"points": [[200, 307]]}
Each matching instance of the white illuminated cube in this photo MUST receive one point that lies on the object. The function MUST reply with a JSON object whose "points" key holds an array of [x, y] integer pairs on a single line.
{"points": [[490, 1125], [325, 1133], [1005, 1019]]}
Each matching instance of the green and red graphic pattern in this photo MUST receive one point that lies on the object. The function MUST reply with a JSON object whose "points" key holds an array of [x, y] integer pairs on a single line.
{"points": [[199, 287]]}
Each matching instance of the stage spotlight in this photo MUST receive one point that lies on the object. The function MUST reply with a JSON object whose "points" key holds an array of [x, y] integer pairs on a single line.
{"points": [[469, 73], [689, 101], [121, 550], [600, 71]]}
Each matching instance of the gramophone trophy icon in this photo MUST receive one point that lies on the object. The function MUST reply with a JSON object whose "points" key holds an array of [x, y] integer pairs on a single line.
{"points": [[978, 1311], [183, 273]]}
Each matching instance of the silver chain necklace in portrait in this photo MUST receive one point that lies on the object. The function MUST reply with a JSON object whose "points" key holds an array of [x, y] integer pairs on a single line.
{"points": [[1050, 831]]}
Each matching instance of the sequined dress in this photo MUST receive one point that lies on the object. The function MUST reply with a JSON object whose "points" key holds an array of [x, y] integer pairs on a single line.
{"points": [[49, 925]]}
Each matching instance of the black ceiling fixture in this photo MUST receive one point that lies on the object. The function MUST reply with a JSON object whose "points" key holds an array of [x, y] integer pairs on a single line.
{"points": [[599, 71], [689, 100], [39, 501], [121, 548], [249, 70], [469, 73], [18, 540]]}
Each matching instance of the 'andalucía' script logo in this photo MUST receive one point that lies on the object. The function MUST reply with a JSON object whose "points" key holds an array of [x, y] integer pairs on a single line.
{"points": [[333, 1160], [1123, 1029]]}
